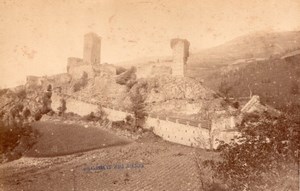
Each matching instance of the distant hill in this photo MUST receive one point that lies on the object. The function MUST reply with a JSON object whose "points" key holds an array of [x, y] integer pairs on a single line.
{"points": [[256, 45]]}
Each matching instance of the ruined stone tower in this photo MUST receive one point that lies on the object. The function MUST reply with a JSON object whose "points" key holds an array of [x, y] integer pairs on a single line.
{"points": [[180, 55], [92, 48]]}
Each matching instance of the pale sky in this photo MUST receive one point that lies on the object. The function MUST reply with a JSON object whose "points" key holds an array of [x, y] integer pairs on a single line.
{"points": [[37, 36]]}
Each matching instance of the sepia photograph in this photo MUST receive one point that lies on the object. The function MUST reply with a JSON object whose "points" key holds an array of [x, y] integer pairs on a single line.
{"points": [[149, 95]]}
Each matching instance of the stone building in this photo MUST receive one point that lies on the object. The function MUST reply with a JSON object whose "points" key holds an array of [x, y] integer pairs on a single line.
{"points": [[180, 55]]}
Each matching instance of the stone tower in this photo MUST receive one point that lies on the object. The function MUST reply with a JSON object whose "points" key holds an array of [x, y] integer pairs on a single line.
{"points": [[92, 48], [180, 55]]}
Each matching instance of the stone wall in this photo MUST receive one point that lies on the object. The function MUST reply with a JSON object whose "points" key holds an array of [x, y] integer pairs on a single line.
{"points": [[203, 134], [77, 70], [180, 132], [75, 105], [34, 80], [154, 69], [224, 128]]}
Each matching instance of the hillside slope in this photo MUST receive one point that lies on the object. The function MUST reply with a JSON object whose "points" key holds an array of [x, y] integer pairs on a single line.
{"points": [[256, 45], [276, 81]]}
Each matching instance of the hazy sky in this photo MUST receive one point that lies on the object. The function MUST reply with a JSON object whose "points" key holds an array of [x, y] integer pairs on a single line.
{"points": [[37, 36]]}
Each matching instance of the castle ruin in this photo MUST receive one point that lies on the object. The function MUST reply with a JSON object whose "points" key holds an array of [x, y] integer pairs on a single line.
{"points": [[92, 48], [180, 55], [91, 57]]}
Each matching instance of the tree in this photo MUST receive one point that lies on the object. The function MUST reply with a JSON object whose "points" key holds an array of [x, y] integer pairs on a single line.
{"points": [[138, 104], [62, 108]]}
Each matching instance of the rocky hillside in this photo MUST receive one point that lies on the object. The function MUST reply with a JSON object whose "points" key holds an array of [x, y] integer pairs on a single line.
{"points": [[179, 97]]}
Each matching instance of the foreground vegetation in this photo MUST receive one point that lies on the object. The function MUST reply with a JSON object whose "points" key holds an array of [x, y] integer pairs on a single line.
{"points": [[264, 157]]}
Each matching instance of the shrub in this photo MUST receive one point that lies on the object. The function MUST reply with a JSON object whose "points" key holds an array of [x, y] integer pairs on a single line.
{"points": [[100, 115], [62, 108], [90, 117], [77, 86]]}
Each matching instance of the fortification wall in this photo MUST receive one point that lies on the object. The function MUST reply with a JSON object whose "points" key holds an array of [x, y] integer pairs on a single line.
{"points": [[179, 132], [75, 105], [115, 114], [189, 133]]}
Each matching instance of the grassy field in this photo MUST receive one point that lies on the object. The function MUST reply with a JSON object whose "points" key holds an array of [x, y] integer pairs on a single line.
{"points": [[57, 138]]}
